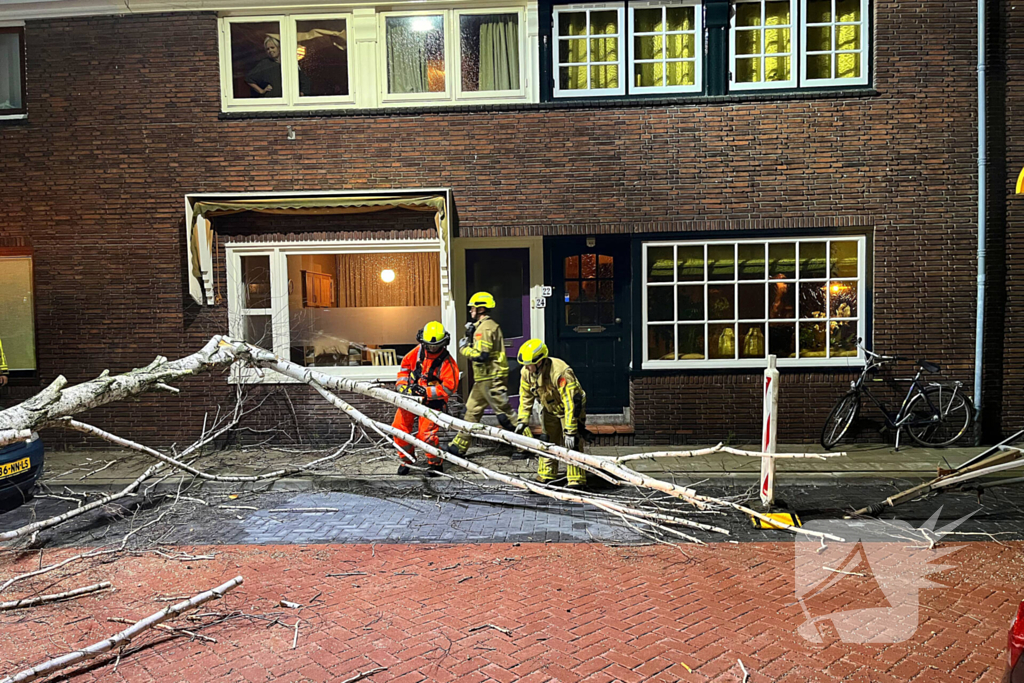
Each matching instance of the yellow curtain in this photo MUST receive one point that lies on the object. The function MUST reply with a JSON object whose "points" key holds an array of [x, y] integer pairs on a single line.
{"points": [[672, 47], [848, 38], [604, 50], [417, 279], [776, 41]]}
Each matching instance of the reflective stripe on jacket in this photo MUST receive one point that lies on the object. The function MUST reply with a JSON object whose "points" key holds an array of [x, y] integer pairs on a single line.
{"points": [[557, 390], [436, 372], [487, 351]]}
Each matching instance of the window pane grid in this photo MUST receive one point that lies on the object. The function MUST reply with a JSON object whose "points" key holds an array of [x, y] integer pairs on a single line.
{"points": [[812, 313], [761, 42], [832, 39], [587, 55], [664, 56]]}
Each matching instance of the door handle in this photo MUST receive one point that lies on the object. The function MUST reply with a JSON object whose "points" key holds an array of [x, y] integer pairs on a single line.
{"points": [[618, 321]]}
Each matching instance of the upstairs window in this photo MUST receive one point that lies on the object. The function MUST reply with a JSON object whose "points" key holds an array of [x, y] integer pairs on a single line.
{"points": [[12, 72], [666, 40], [452, 55], [833, 50], [761, 42], [284, 61], [590, 58]]}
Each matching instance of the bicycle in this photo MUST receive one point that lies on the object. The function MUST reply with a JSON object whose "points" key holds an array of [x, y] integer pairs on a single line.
{"points": [[935, 414]]}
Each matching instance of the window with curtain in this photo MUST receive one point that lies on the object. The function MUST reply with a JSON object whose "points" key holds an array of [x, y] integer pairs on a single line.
{"points": [[589, 52], [666, 41], [415, 53], [762, 44], [833, 42], [731, 303], [12, 71], [489, 52]]}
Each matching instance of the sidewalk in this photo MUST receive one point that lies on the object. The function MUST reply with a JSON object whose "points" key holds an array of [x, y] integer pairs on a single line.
{"points": [[78, 468]]}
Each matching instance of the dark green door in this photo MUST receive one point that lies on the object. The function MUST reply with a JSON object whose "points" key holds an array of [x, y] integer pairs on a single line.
{"points": [[589, 315]]}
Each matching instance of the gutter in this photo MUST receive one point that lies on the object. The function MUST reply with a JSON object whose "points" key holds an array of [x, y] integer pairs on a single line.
{"points": [[979, 334]]}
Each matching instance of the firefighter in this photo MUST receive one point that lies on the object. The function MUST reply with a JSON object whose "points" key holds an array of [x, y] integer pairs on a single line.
{"points": [[430, 374], [484, 345], [552, 383]]}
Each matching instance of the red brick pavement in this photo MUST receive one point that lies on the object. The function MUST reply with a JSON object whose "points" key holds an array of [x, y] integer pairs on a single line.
{"points": [[576, 612]]}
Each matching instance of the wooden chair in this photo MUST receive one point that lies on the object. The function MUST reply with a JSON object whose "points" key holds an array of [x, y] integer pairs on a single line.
{"points": [[383, 356]]}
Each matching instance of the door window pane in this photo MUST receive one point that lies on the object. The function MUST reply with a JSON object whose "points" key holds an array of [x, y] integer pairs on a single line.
{"points": [[256, 60], [415, 54], [323, 57], [572, 267], [17, 313], [605, 266], [490, 52]]}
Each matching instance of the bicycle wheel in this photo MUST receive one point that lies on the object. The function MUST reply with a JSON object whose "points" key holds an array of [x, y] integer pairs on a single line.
{"points": [[956, 411], [840, 419]]}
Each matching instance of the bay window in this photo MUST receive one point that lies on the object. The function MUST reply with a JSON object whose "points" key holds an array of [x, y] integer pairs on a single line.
{"points": [[731, 303], [353, 308]]}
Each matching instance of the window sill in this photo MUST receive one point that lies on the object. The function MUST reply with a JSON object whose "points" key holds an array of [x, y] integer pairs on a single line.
{"points": [[13, 118], [563, 104]]}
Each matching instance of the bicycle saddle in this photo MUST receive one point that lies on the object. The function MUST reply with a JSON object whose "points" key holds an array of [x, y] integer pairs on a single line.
{"points": [[928, 366]]}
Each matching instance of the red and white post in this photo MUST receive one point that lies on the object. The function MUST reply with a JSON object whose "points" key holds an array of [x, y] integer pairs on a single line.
{"points": [[769, 424]]}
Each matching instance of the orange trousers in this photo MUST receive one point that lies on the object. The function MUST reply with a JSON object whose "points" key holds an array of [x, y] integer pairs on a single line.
{"points": [[425, 431]]}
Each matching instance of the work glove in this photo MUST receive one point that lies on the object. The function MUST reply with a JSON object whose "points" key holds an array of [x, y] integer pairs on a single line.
{"points": [[470, 328], [464, 342], [569, 441], [524, 429], [403, 389], [419, 390]]}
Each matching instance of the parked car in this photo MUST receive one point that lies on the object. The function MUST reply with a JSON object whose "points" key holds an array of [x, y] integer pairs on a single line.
{"points": [[21, 464], [1015, 646]]}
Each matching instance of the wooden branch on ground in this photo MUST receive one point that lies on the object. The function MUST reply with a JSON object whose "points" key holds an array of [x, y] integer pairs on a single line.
{"points": [[165, 627], [123, 637], [55, 597], [365, 674], [720, 448]]}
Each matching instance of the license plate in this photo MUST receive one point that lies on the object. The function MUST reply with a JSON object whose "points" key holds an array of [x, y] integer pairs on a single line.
{"points": [[12, 468]]}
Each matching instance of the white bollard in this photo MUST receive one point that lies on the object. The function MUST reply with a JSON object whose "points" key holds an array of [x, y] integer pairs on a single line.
{"points": [[769, 425]]}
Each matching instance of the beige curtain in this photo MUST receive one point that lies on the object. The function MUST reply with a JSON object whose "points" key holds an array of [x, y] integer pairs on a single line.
{"points": [[417, 279]]}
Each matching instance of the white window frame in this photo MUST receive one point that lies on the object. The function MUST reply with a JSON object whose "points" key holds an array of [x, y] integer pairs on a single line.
{"points": [[804, 53], [317, 101], [289, 66], [794, 49], [460, 94], [22, 72], [737, 362], [280, 320], [698, 60], [623, 36], [382, 59]]}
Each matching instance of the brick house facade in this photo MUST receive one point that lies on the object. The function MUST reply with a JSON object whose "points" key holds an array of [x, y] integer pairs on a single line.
{"points": [[125, 120]]}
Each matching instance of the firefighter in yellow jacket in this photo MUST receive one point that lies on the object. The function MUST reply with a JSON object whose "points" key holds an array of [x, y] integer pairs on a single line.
{"points": [[484, 346], [552, 383]]}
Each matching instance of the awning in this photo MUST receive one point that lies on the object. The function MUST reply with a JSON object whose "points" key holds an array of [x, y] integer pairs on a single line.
{"points": [[200, 230]]}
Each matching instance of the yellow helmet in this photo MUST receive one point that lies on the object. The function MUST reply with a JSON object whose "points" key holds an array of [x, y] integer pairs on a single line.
{"points": [[482, 299], [532, 352], [433, 334]]}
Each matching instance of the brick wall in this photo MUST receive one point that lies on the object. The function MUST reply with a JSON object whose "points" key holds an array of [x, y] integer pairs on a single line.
{"points": [[124, 121]]}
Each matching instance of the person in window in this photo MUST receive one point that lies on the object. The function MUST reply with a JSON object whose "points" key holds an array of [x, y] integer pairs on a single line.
{"points": [[484, 345], [553, 384], [265, 78], [430, 374]]}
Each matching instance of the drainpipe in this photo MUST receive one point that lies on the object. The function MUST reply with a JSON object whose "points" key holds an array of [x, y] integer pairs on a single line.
{"points": [[979, 333]]}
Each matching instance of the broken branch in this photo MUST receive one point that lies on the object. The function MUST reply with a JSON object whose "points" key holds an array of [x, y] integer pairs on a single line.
{"points": [[55, 597]]}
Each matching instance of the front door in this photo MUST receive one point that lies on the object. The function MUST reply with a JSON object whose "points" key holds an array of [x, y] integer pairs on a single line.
{"points": [[589, 315], [505, 273]]}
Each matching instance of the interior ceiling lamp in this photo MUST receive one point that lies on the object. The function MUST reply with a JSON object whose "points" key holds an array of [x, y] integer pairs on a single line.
{"points": [[422, 24], [387, 275]]}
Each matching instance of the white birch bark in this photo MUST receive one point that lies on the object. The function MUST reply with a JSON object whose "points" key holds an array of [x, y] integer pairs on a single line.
{"points": [[54, 597], [58, 400], [123, 637]]}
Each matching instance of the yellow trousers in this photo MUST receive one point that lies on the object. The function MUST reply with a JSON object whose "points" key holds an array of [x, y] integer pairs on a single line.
{"points": [[547, 468], [488, 392]]}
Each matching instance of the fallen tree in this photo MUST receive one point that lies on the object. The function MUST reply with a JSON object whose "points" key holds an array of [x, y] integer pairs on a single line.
{"points": [[56, 405]]}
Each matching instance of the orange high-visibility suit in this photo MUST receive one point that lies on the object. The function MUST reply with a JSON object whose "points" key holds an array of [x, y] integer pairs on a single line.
{"points": [[434, 377]]}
